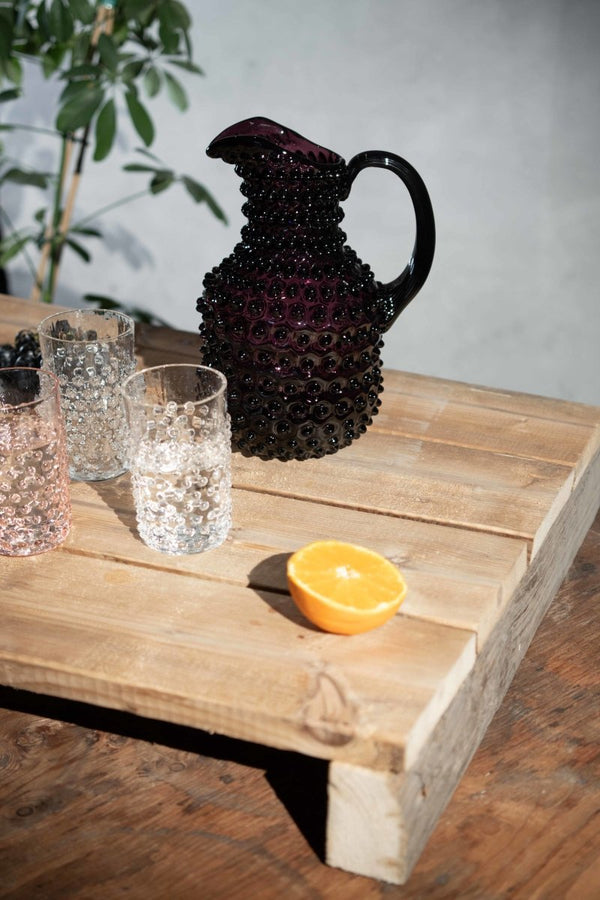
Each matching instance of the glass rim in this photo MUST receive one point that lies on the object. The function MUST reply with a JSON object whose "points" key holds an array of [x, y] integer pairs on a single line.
{"points": [[136, 375], [54, 391], [108, 313]]}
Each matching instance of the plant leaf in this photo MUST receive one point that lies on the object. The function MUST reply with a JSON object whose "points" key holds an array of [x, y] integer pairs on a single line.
{"points": [[140, 315], [61, 21], [176, 92], [14, 71], [167, 29], [179, 15], [138, 167], [79, 249], [11, 247], [139, 9], [73, 89], [152, 81], [6, 32], [108, 52], [161, 181], [101, 300], [132, 70], [106, 127], [42, 21], [9, 94], [52, 59], [81, 46], [89, 232], [82, 71], [79, 110], [140, 118], [188, 45], [19, 176], [185, 64], [83, 11], [199, 193]]}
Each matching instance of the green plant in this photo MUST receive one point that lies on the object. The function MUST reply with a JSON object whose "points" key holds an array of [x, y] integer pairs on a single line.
{"points": [[109, 59]]}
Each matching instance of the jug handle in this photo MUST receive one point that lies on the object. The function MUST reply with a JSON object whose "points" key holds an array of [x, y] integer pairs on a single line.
{"points": [[397, 294]]}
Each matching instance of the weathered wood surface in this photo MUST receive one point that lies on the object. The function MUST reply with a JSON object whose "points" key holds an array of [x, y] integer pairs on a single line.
{"points": [[96, 805], [481, 497]]}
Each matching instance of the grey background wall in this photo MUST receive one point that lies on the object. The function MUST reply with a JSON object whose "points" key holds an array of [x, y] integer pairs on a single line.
{"points": [[495, 102]]}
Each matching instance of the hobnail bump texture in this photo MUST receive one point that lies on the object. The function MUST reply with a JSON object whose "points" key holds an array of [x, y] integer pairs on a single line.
{"points": [[91, 352], [180, 457], [293, 317], [287, 318], [35, 506]]}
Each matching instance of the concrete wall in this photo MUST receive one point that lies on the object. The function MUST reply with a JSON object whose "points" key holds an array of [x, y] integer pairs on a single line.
{"points": [[495, 102]]}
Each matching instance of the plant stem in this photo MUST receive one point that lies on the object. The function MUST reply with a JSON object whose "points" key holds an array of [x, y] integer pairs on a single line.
{"points": [[63, 227], [37, 130], [50, 233], [114, 205]]}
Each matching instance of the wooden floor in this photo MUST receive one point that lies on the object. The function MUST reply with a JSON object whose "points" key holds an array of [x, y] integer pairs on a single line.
{"points": [[98, 804]]}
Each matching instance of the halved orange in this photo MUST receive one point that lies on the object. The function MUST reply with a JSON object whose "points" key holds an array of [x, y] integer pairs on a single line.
{"points": [[344, 588]]}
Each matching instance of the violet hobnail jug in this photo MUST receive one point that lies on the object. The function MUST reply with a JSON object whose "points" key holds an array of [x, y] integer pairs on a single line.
{"points": [[292, 317]]}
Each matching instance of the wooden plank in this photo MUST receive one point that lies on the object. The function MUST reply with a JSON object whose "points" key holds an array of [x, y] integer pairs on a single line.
{"points": [[172, 345], [416, 479], [491, 397], [208, 654], [413, 800], [486, 428]]}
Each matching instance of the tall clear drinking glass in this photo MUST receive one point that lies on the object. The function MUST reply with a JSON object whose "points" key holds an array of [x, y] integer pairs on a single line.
{"points": [[180, 456], [35, 506], [91, 351]]}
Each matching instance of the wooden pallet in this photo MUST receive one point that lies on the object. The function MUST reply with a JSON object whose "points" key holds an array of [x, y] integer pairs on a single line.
{"points": [[482, 498]]}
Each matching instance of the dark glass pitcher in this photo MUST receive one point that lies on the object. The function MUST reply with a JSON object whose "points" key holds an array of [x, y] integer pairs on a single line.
{"points": [[292, 317]]}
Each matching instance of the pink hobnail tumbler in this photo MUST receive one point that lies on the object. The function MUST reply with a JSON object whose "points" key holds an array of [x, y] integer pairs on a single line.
{"points": [[35, 506]]}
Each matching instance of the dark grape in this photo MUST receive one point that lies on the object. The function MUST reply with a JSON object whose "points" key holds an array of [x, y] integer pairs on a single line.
{"points": [[29, 358], [24, 352], [7, 356]]}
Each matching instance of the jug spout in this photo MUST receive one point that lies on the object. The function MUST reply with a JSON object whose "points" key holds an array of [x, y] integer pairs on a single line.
{"points": [[256, 135]]}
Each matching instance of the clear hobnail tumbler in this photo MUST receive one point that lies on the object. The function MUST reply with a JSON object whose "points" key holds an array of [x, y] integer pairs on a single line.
{"points": [[35, 506], [180, 456], [91, 351]]}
